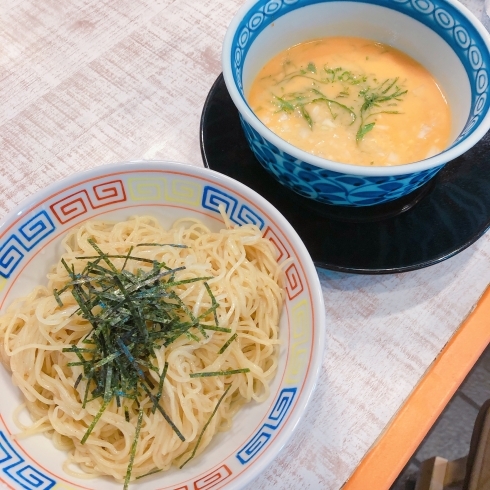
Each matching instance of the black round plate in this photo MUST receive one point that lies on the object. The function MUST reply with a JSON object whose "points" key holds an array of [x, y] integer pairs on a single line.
{"points": [[427, 227]]}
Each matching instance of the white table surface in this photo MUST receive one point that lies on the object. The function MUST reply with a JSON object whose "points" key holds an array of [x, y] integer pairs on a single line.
{"points": [[86, 82]]}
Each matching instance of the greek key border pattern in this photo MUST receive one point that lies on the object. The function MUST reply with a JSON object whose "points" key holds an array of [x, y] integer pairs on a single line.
{"points": [[83, 200], [16, 468], [27, 235], [263, 436], [239, 213]]}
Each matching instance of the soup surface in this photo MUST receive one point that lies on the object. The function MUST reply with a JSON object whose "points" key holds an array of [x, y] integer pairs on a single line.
{"points": [[352, 100]]}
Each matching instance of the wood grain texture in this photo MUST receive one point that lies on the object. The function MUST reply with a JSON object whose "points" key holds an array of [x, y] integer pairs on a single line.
{"points": [[85, 82]]}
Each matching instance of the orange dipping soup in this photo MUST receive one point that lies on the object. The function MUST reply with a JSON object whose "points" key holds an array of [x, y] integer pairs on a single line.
{"points": [[352, 100]]}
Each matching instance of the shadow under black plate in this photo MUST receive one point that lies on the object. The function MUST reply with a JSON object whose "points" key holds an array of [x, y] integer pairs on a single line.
{"points": [[432, 224]]}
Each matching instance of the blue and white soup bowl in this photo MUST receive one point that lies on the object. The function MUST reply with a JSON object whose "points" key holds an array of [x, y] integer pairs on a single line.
{"points": [[442, 35]]}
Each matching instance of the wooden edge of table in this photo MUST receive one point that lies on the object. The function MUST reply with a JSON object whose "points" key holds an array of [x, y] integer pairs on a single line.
{"points": [[406, 430]]}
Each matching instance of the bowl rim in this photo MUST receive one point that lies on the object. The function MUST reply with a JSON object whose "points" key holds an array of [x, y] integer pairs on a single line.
{"points": [[347, 168], [319, 317]]}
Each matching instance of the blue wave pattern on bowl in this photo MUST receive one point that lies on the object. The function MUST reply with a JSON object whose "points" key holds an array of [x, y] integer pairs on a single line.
{"points": [[336, 188], [327, 186]]}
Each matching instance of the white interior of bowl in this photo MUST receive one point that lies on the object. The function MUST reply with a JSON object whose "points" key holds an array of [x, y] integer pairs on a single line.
{"points": [[370, 22]]}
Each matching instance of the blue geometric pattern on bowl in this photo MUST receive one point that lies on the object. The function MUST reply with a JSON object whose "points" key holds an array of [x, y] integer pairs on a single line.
{"points": [[241, 214], [28, 234], [15, 467], [327, 186], [261, 438], [443, 19]]}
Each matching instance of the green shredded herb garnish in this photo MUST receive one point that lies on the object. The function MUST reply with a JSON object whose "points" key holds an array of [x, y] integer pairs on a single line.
{"points": [[371, 95], [133, 450], [215, 329], [214, 304], [227, 343], [363, 130], [160, 386], [219, 373], [205, 427], [311, 67], [77, 382], [132, 315], [299, 101], [57, 298], [96, 419], [152, 472]]}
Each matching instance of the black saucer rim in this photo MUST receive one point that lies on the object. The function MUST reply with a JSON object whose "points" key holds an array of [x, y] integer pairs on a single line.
{"points": [[331, 266]]}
